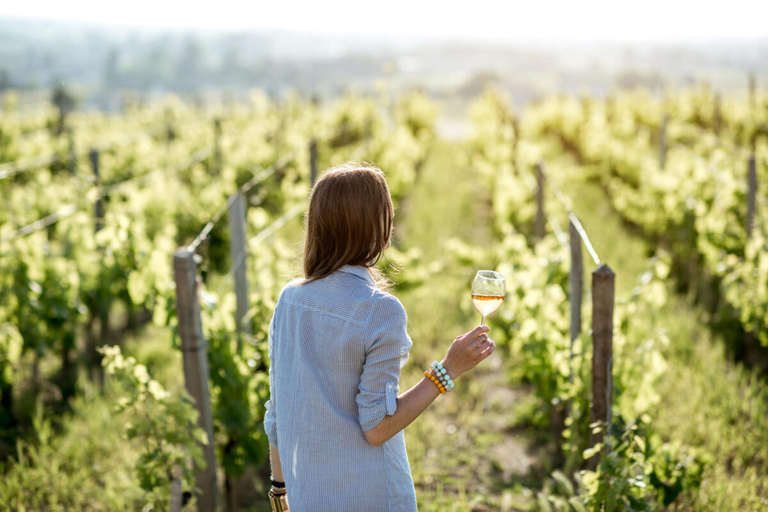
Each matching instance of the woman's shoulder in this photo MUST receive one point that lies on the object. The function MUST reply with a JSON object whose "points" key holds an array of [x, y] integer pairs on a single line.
{"points": [[294, 283], [366, 299], [387, 305], [289, 288], [388, 320]]}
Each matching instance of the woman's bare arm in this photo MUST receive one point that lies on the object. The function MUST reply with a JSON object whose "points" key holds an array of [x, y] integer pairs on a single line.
{"points": [[274, 460], [464, 354], [409, 406]]}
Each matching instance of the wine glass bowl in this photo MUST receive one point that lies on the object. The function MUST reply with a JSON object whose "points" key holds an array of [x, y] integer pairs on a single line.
{"points": [[488, 291]]}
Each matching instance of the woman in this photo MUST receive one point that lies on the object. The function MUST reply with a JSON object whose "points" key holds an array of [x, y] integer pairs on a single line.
{"points": [[337, 342]]}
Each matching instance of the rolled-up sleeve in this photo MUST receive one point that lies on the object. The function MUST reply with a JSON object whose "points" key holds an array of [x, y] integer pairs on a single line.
{"points": [[386, 354], [270, 418]]}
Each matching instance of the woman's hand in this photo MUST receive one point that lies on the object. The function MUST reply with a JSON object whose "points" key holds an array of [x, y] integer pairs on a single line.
{"points": [[468, 350]]}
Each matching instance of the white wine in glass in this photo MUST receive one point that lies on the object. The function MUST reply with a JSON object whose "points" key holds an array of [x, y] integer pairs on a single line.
{"points": [[488, 292]]}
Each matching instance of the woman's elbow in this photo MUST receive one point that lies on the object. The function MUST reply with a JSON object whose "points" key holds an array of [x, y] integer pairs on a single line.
{"points": [[376, 437]]}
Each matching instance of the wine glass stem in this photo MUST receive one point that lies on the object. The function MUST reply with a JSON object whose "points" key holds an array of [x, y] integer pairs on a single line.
{"points": [[482, 320]]}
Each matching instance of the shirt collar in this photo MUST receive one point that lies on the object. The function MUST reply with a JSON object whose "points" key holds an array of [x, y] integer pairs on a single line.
{"points": [[359, 271]]}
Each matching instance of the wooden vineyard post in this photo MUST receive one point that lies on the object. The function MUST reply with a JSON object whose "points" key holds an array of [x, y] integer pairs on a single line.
{"points": [[217, 145], [176, 496], [539, 232], [195, 355], [751, 345], [663, 142], [312, 161], [751, 193], [515, 142], [99, 209], [238, 255], [603, 281], [68, 376], [279, 130], [576, 281], [718, 117], [170, 133], [71, 149], [103, 313]]}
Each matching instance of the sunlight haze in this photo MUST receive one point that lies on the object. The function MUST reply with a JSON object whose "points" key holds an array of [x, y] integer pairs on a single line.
{"points": [[487, 20]]}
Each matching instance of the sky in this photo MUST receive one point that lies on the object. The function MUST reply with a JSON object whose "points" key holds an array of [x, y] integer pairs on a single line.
{"points": [[581, 20]]}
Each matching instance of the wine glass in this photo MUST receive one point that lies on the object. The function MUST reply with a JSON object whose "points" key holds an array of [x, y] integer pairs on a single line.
{"points": [[488, 292]]}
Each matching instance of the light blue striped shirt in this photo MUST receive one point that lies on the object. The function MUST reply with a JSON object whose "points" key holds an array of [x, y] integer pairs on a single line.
{"points": [[337, 346]]}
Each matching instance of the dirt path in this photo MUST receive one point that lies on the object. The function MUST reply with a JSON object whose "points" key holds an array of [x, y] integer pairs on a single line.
{"points": [[465, 452]]}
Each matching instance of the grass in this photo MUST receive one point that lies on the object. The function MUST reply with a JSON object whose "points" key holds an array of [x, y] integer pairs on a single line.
{"points": [[83, 462]]}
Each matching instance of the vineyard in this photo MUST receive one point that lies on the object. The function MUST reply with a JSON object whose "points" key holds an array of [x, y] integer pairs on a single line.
{"points": [[142, 254]]}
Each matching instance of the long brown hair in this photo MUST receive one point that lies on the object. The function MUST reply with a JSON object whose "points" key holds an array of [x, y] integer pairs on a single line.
{"points": [[349, 221]]}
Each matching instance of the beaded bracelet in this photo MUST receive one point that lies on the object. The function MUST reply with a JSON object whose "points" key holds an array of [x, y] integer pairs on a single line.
{"points": [[440, 377], [442, 374], [428, 374]]}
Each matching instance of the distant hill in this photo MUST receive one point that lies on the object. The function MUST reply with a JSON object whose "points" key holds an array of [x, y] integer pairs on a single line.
{"points": [[99, 62]]}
